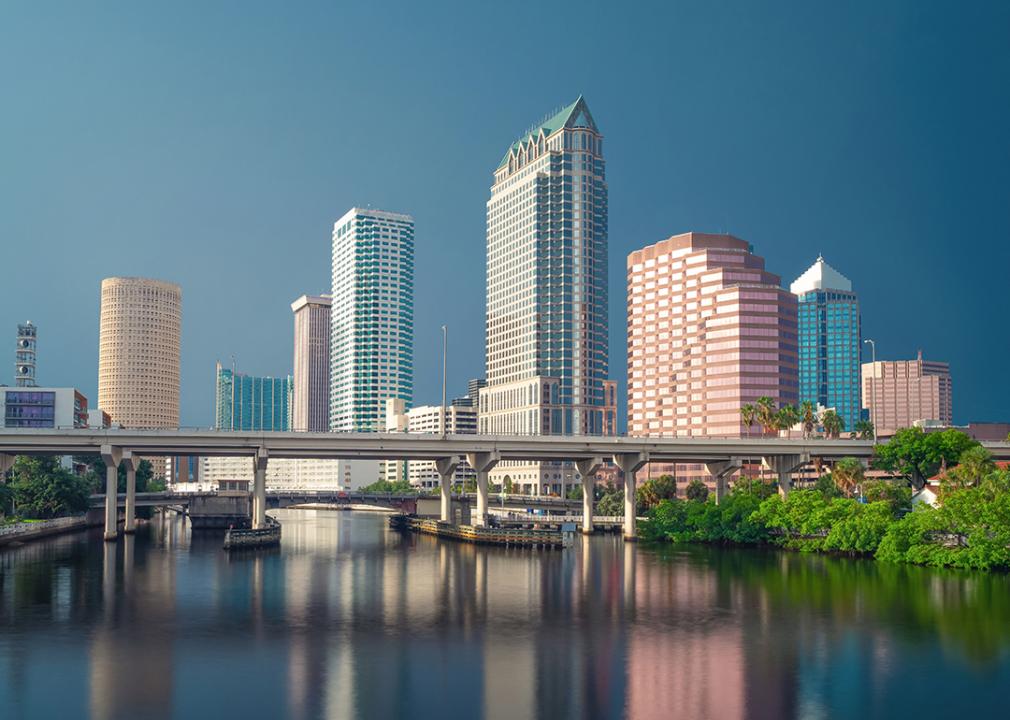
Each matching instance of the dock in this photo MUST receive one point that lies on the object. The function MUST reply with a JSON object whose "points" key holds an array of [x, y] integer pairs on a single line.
{"points": [[507, 537]]}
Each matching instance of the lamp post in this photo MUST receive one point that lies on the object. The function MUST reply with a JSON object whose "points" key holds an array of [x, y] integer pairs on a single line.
{"points": [[441, 420], [873, 387]]}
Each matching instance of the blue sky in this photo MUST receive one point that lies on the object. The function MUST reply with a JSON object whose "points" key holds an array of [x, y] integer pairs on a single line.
{"points": [[214, 144]]}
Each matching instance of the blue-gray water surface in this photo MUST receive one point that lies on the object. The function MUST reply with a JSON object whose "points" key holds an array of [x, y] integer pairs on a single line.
{"points": [[349, 619]]}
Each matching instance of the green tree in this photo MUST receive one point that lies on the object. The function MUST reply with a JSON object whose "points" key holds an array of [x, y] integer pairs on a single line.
{"points": [[43, 489], [787, 417], [862, 430], [832, 423], [95, 477], [748, 413], [826, 486], [918, 455], [575, 493], [766, 415], [651, 492], [847, 474], [973, 466], [612, 503], [385, 486], [809, 418], [696, 491], [896, 494]]}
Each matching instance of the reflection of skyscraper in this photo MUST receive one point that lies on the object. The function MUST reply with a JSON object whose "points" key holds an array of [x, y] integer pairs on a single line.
{"points": [[371, 318], [138, 352], [310, 391]]}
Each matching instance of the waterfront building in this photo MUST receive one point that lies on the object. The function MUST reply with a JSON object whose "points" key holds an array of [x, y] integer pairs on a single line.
{"points": [[547, 354], [43, 407], [371, 318], [709, 330], [247, 402], [139, 353], [301, 474], [310, 390], [25, 355], [830, 341], [427, 419], [900, 393]]}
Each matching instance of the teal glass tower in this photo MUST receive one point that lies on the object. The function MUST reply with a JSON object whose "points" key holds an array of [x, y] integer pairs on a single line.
{"points": [[830, 341], [246, 402]]}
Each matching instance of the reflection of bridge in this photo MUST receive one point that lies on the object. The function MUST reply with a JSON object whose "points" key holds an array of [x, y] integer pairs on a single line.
{"points": [[721, 456]]}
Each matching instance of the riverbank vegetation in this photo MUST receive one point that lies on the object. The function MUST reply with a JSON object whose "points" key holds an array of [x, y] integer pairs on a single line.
{"points": [[845, 513]]}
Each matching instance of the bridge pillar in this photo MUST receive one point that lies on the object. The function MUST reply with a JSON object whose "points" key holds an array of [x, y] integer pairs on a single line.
{"points": [[587, 468], [482, 463], [259, 516], [6, 463], [130, 521], [629, 463], [783, 466], [112, 457], [446, 468], [721, 472]]}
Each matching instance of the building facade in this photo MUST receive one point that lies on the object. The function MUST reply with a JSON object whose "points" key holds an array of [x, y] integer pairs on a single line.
{"points": [[709, 330], [830, 341], [427, 419], [371, 318], [901, 393], [247, 402], [547, 355], [139, 352], [42, 407], [310, 390], [25, 355]]}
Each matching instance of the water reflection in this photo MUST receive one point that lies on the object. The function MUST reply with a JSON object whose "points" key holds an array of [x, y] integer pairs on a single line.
{"points": [[350, 620]]}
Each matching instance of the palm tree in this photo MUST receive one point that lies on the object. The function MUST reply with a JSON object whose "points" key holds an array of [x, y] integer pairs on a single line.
{"points": [[787, 417], [847, 474], [809, 414], [767, 414], [832, 423], [747, 413], [973, 465], [863, 430]]}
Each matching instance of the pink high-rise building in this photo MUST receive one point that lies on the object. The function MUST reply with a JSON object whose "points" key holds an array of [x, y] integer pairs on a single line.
{"points": [[899, 393], [709, 330], [310, 392]]}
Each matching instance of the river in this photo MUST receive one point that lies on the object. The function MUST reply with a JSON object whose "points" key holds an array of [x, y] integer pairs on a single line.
{"points": [[348, 619]]}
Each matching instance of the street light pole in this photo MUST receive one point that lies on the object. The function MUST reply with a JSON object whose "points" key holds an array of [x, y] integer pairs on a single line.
{"points": [[873, 387], [441, 421]]}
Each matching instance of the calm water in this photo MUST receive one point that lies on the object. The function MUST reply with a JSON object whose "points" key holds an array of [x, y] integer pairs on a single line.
{"points": [[348, 619]]}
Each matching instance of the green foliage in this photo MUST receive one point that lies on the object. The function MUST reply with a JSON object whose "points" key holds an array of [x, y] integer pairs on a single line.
{"points": [[385, 486], [862, 430], [787, 417], [973, 466], [766, 414], [808, 415], [826, 486], [653, 491], [810, 521], [696, 491], [42, 488], [95, 477], [575, 493], [694, 521], [897, 494], [918, 455], [611, 501], [847, 474], [832, 423]]}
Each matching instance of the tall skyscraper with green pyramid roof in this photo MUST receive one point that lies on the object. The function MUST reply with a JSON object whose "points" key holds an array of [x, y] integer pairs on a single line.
{"points": [[547, 337]]}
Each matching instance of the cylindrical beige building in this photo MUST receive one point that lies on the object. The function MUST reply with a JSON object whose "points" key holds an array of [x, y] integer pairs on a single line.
{"points": [[138, 352]]}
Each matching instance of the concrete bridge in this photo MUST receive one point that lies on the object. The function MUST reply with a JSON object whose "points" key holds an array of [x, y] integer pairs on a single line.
{"points": [[722, 456]]}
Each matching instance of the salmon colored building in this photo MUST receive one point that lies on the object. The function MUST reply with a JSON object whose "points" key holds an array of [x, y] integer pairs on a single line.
{"points": [[709, 330]]}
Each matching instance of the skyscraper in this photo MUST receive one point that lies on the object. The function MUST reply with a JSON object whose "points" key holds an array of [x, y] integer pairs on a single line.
{"points": [[310, 392], [138, 352], [371, 318], [709, 330], [901, 392], [547, 338], [830, 340], [24, 355], [247, 402]]}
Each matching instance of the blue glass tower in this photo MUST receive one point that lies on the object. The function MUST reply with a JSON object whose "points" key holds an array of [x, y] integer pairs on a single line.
{"points": [[245, 402], [830, 340]]}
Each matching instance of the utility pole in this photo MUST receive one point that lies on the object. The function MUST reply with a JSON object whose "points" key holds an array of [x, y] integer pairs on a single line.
{"points": [[442, 416]]}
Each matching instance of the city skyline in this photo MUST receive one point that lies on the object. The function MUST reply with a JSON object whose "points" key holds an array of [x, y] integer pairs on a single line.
{"points": [[908, 215]]}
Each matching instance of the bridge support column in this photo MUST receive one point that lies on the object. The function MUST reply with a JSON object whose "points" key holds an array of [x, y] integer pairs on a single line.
{"points": [[587, 469], [130, 521], [446, 468], [482, 463], [6, 463], [783, 466], [112, 457], [259, 508], [629, 463], [721, 472]]}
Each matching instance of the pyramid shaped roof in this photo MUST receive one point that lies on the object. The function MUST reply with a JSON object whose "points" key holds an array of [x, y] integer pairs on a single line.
{"points": [[574, 115], [820, 276]]}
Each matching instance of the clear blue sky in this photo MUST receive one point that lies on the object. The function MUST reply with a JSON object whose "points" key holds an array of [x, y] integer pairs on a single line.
{"points": [[214, 144]]}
